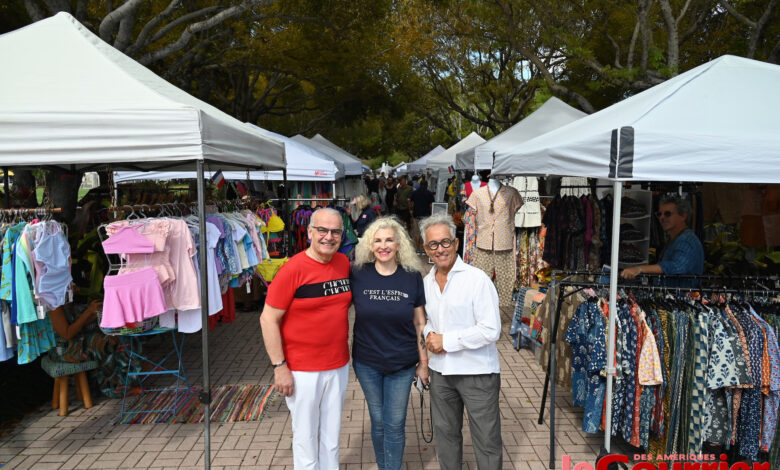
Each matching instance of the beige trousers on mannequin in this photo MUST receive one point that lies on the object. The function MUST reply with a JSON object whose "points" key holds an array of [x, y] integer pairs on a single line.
{"points": [[502, 262]]}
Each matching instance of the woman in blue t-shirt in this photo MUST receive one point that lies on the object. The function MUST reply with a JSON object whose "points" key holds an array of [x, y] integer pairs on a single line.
{"points": [[389, 298]]}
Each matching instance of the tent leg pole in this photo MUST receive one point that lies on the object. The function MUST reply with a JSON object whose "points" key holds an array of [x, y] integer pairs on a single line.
{"points": [[286, 212], [205, 395], [617, 194]]}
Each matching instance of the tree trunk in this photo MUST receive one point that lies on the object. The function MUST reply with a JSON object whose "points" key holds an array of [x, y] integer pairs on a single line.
{"points": [[64, 192], [24, 188]]}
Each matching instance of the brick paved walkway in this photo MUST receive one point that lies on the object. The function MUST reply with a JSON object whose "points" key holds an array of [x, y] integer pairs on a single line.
{"points": [[88, 438]]}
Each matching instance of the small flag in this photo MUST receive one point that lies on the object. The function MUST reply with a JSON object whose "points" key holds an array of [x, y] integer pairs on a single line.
{"points": [[451, 168], [218, 178]]}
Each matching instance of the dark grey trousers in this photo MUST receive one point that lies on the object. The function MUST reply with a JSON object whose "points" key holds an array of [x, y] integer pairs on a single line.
{"points": [[479, 395]]}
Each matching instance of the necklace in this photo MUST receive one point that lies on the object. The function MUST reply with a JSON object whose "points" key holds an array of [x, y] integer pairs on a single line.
{"points": [[493, 198]]}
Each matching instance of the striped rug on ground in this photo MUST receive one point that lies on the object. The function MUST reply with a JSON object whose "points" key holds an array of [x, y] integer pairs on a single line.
{"points": [[229, 403]]}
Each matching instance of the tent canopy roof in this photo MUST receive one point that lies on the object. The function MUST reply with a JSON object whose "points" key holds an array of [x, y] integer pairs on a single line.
{"points": [[553, 114], [420, 163], [69, 99], [322, 140], [349, 165], [303, 164], [446, 158], [718, 122]]}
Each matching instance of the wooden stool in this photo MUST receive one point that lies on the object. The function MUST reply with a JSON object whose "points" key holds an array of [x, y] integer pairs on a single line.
{"points": [[60, 371]]}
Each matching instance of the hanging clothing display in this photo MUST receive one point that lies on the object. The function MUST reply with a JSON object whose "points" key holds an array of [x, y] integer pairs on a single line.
{"points": [[495, 216], [530, 247], [35, 278], [578, 232], [159, 274], [530, 214], [502, 263], [495, 235], [689, 373]]}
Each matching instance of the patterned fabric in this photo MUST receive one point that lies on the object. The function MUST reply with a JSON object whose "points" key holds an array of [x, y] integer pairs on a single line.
{"points": [[676, 381], [495, 229], [749, 420], [597, 363], [469, 235], [57, 368], [771, 401], [726, 368], [503, 264], [636, 314], [530, 215], [576, 336], [563, 352], [649, 359], [699, 389], [529, 256], [11, 234]]}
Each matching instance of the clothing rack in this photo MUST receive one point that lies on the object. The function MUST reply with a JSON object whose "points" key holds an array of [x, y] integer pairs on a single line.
{"points": [[32, 210], [557, 288]]}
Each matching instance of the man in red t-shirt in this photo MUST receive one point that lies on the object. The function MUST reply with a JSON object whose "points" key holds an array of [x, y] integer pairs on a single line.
{"points": [[305, 328]]}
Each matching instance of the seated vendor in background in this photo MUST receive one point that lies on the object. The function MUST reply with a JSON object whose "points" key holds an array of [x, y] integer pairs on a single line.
{"points": [[683, 254], [79, 340]]}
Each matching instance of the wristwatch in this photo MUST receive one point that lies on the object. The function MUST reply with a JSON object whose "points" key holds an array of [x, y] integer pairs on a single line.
{"points": [[280, 364]]}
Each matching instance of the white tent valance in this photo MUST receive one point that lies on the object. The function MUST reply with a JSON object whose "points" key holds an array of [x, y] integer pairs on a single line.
{"points": [[69, 99]]}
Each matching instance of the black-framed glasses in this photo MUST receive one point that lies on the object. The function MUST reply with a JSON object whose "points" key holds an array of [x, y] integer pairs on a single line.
{"points": [[434, 245], [660, 214], [337, 232]]}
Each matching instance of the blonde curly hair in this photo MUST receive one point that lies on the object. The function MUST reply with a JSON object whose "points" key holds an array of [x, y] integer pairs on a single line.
{"points": [[362, 201], [405, 256]]}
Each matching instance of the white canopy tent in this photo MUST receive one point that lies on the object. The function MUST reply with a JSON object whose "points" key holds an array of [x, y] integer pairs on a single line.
{"points": [[441, 163], [69, 100], [322, 140], [352, 166], [553, 114], [694, 127], [446, 158], [719, 122], [303, 164], [419, 165]]}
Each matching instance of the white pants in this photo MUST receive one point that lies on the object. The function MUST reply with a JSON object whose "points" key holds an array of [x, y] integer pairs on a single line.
{"points": [[315, 409]]}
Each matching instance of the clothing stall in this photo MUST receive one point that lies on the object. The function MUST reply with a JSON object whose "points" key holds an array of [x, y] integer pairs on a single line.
{"points": [[106, 111], [645, 312], [351, 178], [674, 131]]}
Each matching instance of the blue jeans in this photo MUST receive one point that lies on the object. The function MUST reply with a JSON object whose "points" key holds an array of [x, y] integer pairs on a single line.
{"points": [[387, 396]]}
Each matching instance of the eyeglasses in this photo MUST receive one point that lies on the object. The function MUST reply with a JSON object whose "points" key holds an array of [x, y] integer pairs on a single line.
{"points": [[336, 232], [660, 214], [434, 245]]}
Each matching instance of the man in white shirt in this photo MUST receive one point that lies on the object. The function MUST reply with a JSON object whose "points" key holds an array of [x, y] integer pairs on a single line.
{"points": [[463, 326]]}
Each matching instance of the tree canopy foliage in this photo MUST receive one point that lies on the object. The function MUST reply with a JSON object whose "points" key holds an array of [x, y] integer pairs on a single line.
{"points": [[390, 79]]}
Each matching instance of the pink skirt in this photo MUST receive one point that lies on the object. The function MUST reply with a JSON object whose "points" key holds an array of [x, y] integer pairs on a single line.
{"points": [[132, 297]]}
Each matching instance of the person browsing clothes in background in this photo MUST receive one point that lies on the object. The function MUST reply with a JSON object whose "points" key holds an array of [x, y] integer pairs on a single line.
{"points": [[464, 324], [305, 330], [389, 298]]}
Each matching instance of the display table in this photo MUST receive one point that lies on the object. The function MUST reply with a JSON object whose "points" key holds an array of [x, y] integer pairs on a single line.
{"points": [[132, 344]]}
